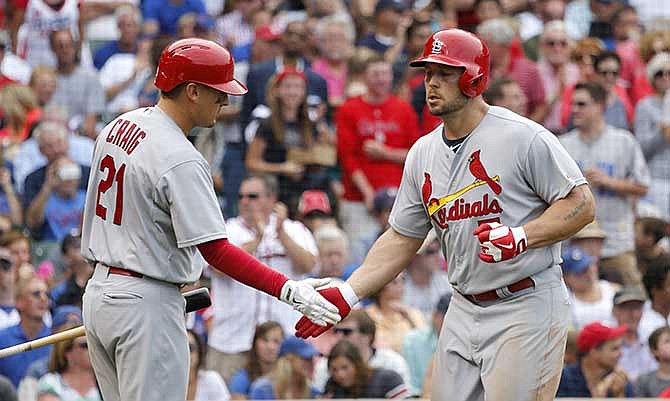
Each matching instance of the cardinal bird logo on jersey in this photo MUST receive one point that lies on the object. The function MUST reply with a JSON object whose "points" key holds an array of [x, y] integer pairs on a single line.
{"points": [[479, 172], [460, 208]]}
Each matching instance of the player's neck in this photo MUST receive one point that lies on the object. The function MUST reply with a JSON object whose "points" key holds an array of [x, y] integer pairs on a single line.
{"points": [[462, 122], [172, 110]]}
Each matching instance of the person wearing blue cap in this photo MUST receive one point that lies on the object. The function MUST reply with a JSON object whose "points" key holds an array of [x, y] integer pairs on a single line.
{"points": [[292, 375], [591, 298]]}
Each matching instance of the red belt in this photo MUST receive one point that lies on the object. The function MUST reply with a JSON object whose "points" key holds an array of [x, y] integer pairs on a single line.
{"points": [[124, 272], [493, 294]]}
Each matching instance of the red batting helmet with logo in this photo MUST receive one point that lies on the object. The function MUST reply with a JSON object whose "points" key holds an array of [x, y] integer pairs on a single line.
{"points": [[458, 48], [200, 61]]}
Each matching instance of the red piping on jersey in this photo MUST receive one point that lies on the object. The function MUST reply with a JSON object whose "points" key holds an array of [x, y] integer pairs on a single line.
{"points": [[241, 266]]}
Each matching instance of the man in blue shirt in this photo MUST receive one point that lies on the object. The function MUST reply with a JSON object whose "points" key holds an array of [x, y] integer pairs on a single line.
{"points": [[596, 373], [32, 302], [160, 16]]}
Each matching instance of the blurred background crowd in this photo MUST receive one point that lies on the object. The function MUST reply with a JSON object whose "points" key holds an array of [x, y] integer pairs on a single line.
{"points": [[307, 165]]}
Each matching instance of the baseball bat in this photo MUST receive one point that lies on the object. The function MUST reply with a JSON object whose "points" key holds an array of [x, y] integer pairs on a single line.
{"points": [[195, 300]]}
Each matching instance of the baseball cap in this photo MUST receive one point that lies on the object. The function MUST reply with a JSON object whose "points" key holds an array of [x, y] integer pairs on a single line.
{"points": [[65, 314], [267, 33], [575, 260], [397, 5], [596, 333], [314, 200], [298, 346], [591, 230], [628, 294], [443, 303], [384, 198]]}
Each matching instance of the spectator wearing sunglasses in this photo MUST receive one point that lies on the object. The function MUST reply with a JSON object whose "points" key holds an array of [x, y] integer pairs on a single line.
{"points": [[9, 316], [613, 164], [70, 376], [32, 302], [263, 230], [361, 331], [652, 129]]}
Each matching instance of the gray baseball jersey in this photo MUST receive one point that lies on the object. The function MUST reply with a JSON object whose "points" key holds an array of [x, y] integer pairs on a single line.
{"points": [[619, 155], [508, 170], [151, 199]]}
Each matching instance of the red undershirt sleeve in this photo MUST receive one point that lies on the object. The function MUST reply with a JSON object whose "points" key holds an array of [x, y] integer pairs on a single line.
{"points": [[241, 266]]}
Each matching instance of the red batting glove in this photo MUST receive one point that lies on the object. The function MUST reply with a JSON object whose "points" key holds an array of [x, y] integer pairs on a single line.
{"points": [[500, 242], [343, 297]]}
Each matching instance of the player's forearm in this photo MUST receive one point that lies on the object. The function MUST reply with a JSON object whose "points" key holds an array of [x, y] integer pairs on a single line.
{"points": [[389, 255], [303, 261], [562, 219], [233, 261]]}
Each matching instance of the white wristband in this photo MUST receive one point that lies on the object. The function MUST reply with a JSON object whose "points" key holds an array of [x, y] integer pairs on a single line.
{"points": [[348, 294]]}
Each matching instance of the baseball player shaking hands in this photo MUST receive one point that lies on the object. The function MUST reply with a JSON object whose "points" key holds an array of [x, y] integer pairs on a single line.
{"points": [[151, 207], [500, 192]]}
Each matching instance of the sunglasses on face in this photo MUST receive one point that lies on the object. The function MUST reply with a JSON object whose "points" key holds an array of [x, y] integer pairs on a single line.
{"points": [[580, 104], [662, 73], [344, 331], [250, 196]]}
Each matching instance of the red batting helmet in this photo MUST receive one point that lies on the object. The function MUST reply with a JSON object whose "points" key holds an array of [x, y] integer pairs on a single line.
{"points": [[459, 48], [200, 61]]}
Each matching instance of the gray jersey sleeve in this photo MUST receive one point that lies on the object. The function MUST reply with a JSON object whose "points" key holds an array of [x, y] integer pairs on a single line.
{"points": [[549, 168], [408, 216], [187, 191]]}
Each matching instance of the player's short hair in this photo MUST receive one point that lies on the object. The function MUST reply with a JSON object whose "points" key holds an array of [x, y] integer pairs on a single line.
{"points": [[269, 181], [128, 9], [175, 92], [597, 92]]}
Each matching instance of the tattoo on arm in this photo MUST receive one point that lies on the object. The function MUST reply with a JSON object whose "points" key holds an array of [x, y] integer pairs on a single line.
{"points": [[577, 209]]}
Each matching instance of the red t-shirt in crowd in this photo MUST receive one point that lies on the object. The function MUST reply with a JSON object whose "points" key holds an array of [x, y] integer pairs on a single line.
{"points": [[394, 123]]}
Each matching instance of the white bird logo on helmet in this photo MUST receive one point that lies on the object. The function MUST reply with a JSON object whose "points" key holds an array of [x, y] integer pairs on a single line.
{"points": [[437, 46]]}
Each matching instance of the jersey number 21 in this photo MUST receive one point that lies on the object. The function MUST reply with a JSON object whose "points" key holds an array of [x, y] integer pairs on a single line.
{"points": [[114, 176]]}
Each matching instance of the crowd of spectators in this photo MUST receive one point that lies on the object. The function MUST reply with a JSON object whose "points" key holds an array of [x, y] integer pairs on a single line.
{"points": [[307, 165]]}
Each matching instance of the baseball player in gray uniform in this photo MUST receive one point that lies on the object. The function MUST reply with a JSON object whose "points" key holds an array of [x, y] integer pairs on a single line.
{"points": [[500, 192], [150, 208]]}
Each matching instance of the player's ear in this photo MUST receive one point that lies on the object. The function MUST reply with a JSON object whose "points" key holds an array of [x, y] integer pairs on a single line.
{"points": [[192, 91]]}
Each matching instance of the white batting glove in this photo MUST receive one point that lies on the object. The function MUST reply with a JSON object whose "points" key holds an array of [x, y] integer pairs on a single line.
{"points": [[304, 298]]}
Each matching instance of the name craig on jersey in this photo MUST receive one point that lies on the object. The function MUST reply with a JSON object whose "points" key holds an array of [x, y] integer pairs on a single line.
{"points": [[460, 209], [125, 135]]}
